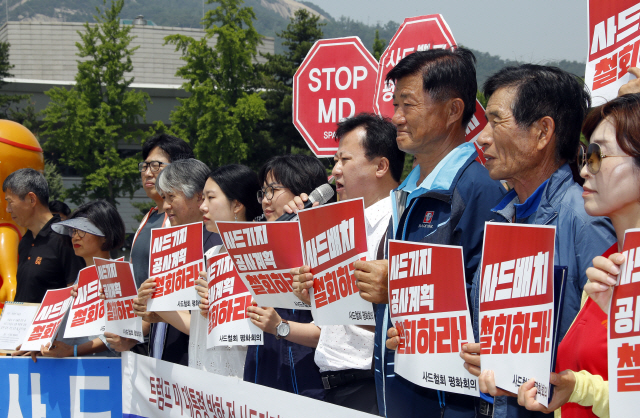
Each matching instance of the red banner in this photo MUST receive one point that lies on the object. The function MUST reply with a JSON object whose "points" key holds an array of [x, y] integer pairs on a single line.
{"points": [[47, 321]]}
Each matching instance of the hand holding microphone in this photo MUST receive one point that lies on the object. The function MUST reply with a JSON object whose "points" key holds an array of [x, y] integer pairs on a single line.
{"points": [[321, 195]]}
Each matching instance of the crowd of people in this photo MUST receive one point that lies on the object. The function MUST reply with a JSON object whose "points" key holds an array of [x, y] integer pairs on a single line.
{"points": [[534, 172]]}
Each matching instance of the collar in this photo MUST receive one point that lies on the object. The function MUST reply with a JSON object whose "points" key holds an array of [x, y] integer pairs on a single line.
{"points": [[510, 206], [46, 228], [376, 212]]}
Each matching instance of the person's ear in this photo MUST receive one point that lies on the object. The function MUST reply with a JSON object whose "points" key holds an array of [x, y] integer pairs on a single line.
{"points": [[456, 110], [383, 167], [31, 199], [546, 129]]}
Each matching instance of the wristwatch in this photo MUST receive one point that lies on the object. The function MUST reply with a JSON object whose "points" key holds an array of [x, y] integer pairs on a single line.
{"points": [[282, 329]]}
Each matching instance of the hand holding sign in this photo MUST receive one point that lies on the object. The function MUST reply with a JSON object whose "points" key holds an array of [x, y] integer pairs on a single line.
{"points": [[372, 280], [602, 277], [563, 383]]}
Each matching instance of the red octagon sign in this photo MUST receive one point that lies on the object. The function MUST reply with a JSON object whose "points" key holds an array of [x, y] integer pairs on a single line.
{"points": [[335, 81]]}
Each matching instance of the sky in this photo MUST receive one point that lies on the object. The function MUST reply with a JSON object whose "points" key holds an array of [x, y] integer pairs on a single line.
{"points": [[534, 31]]}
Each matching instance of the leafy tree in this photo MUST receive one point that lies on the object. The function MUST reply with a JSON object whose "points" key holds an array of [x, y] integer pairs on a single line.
{"points": [[221, 113], [9, 103], [83, 125], [378, 45], [54, 180]]}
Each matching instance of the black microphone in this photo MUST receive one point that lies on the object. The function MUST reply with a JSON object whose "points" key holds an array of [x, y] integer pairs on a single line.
{"points": [[321, 194]]}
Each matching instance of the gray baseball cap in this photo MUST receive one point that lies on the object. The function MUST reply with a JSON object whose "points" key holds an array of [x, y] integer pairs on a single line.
{"points": [[83, 224]]}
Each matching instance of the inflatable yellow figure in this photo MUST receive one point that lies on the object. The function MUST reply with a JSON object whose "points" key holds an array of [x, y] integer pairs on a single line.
{"points": [[18, 149]]}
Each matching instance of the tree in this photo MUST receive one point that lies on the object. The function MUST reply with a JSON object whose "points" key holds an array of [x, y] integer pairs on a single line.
{"points": [[221, 113], [54, 180], [10, 103], [83, 125], [298, 38], [378, 45]]}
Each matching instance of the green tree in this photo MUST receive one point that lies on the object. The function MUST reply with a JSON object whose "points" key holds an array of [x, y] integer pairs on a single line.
{"points": [[54, 180], [10, 103], [378, 45], [83, 125], [221, 113]]}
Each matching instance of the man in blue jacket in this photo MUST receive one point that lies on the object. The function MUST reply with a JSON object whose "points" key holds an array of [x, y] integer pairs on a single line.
{"points": [[534, 115], [446, 199]]}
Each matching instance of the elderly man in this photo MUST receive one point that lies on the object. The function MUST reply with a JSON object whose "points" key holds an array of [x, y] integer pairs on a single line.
{"points": [[434, 99], [45, 259], [535, 114]]}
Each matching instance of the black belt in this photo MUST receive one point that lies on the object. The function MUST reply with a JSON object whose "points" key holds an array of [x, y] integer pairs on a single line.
{"points": [[342, 377]]}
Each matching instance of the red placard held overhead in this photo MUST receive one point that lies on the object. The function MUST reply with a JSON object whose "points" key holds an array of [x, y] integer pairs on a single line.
{"points": [[335, 81], [420, 33], [45, 325], [614, 43]]}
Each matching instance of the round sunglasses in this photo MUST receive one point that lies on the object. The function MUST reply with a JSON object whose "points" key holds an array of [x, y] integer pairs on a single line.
{"points": [[592, 157]]}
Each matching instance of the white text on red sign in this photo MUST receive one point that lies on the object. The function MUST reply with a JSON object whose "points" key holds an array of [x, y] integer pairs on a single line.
{"points": [[248, 237], [526, 276], [107, 271], [86, 293], [169, 240], [330, 244], [411, 264], [609, 32], [50, 312], [112, 290], [255, 261]]}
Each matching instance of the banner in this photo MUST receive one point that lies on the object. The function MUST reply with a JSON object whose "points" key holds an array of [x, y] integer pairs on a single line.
{"points": [[155, 388], [516, 305], [614, 40], [86, 316], [15, 320], [228, 323], [176, 260], [334, 236], [429, 308], [60, 388], [263, 253], [624, 332], [47, 321], [120, 289]]}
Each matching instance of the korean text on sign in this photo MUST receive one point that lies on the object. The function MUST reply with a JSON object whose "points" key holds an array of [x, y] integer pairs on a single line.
{"points": [[86, 316], [47, 321]]}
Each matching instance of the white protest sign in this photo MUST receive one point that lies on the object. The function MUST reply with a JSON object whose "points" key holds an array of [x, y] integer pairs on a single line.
{"points": [[14, 323], [47, 321], [86, 316]]}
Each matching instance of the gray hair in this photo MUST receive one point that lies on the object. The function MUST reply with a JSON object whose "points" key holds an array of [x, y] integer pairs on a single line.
{"points": [[26, 180], [186, 176]]}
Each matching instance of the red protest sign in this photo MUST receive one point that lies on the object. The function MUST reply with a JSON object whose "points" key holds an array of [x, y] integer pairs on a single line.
{"points": [[335, 81], [175, 260], [420, 33], [263, 253], [429, 308], [516, 304], [624, 331], [333, 237], [47, 321], [86, 316], [228, 323], [614, 43]]}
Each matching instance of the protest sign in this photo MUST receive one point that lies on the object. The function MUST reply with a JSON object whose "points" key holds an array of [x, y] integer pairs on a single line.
{"points": [[429, 308], [176, 260], [155, 388], [420, 33], [516, 305], [14, 323], [263, 253], [614, 40], [624, 332], [228, 323], [116, 278], [47, 321], [60, 388], [335, 81], [334, 236], [86, 316]]}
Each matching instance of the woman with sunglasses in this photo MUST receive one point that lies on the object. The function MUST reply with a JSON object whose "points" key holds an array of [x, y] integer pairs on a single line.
{"points": [[610, 166]]}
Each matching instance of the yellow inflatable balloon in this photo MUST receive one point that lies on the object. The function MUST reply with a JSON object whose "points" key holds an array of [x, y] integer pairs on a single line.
{"points": [[19, 148]]}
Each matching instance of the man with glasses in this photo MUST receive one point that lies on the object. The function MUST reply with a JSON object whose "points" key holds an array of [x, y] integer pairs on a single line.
{"points": [[45, 259]]}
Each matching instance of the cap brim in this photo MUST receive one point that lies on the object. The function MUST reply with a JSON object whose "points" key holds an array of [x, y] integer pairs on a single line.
{"points": [[82, 224]]}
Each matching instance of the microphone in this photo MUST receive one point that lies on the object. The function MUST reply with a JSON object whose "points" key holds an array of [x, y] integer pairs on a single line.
{"points": [[321, 194]]}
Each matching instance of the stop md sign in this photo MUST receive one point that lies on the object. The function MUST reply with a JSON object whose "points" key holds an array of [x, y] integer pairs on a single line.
{"points": [[335, 81]]}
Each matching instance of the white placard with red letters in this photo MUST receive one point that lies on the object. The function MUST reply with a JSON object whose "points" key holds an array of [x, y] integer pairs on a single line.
{"points": [[429, 308], [335, 81], [516, 305], [420, 33], [119, 285], [159, 389], [264, 253], [334, 236], [228, 323], [86, 315], [614, 41], [176, 260], [47, 321], [624, 332]]}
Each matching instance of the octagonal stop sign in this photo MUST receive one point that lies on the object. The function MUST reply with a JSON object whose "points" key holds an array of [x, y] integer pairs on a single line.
{"points": [[335, 81], [420, 33]]}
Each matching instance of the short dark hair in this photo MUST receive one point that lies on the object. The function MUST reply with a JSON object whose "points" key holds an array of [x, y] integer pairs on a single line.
{"points": [[446, 74], [546, 91], [623, 112], [239, 182], [175, 148], [106, 218], [298, 173], [379, 140], [186, 176], [26, 180], [56, 206]]}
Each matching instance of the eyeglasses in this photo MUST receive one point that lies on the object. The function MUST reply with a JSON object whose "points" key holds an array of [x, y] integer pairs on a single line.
{"points": [[74, 231], [268, 192], [155, 166], [592, 157]]}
